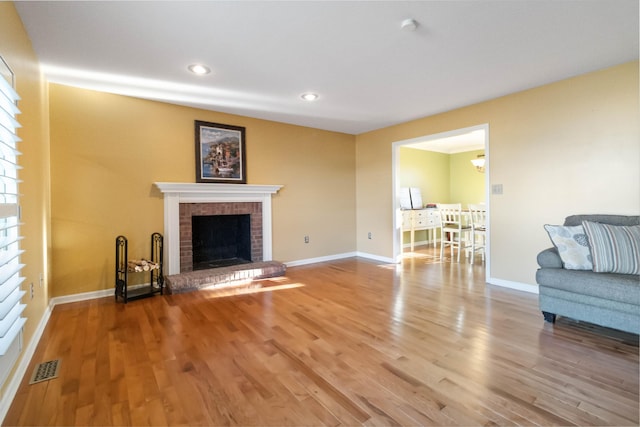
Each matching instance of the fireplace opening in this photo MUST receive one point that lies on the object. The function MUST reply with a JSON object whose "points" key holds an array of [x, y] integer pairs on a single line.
{"points": [[220, 240]]}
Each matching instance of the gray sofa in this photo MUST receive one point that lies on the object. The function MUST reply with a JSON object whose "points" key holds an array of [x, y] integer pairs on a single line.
{"points": [[607, 299]]}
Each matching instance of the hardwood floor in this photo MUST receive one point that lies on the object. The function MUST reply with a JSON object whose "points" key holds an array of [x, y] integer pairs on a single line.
{"points": [[350, 342]]}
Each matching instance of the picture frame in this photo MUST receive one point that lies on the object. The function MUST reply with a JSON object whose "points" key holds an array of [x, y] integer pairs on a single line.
{"points": [[220, 153]]}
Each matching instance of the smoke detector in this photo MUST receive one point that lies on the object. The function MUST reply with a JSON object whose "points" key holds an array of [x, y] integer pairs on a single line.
{"points": [[409, 24]]}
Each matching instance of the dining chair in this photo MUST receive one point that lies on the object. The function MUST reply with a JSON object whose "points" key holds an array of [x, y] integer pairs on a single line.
{"points": [[478, 215], [453, 231]]}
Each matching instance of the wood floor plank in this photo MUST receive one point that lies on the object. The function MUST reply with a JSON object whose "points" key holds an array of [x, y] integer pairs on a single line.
{"points": [[347, 342]]}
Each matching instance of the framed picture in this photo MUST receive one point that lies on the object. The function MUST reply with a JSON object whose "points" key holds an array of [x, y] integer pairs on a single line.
{"points": [[220, 153]]}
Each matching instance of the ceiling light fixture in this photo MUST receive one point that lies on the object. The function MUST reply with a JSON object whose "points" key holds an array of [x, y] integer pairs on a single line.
{"points": [[479, 163], [409, 24], [309, 96], [199, 69]]}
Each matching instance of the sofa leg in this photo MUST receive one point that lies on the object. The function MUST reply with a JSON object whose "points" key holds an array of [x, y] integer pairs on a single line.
{"points": [[549, 317]]}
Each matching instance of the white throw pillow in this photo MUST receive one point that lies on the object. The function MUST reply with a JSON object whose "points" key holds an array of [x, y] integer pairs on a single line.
{"points": [[572, 245]]}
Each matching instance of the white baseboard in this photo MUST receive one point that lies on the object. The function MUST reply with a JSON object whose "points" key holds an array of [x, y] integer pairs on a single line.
{"points": [[336, 257], [376, 257], [320, 259], [89, 295], [81, 297], [513, 285]]}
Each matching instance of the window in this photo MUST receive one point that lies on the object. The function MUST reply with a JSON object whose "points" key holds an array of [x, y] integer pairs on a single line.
{"points": [[11, 309]]}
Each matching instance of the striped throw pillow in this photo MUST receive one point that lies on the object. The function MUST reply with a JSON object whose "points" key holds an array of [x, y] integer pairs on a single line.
{"points": [[614, 248]]}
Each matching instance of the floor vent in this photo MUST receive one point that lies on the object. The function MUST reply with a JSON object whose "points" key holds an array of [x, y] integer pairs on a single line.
{"points": [[45, 371]]}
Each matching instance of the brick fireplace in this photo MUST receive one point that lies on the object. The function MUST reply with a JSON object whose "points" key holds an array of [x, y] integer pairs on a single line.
{"points": [[190, 210], [182, 200]]}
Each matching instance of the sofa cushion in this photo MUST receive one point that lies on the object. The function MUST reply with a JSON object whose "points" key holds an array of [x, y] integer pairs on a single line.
{"points": [[617, 287], [572, 246], [614, 248], [588, 300], [603, 312]]}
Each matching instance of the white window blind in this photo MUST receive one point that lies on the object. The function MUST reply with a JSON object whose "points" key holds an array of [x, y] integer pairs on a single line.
{"points": [[11, 320]]}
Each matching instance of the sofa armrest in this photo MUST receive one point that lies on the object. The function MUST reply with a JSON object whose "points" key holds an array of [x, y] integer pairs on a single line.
{"points": [[549, 258]]}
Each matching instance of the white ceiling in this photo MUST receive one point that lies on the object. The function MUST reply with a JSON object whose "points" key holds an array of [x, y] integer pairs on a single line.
{"points": [[459, 142], [368, 72]]}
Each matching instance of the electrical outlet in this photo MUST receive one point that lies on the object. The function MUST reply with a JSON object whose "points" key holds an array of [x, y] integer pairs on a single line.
{"points": [[31, 289], [306, 239], [369, 236]]}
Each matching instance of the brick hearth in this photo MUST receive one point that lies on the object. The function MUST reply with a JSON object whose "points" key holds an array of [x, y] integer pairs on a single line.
{"points": [[224, 277]]}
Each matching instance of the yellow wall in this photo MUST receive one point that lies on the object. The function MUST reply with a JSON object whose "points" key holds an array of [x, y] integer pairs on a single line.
{"points": [[15, 48], [564, 148], [442, 178], [466, 184], [427, 170], [108, 150]]}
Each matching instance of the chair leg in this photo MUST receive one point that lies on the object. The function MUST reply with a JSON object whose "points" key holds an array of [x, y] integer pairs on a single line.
{"points": [[473, 247]]}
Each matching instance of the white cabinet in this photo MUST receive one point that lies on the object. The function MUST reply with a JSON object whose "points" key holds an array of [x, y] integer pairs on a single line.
{"points": [[421, 219]]}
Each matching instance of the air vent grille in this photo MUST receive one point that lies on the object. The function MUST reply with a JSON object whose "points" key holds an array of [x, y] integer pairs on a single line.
{"points": [[45, 371]]}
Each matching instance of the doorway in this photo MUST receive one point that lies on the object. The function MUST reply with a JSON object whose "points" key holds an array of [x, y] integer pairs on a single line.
{"points": [[465, 140]]}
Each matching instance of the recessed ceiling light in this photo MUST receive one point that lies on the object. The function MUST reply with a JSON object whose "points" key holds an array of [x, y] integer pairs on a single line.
{"points": [[309, 96], [199, 69]]}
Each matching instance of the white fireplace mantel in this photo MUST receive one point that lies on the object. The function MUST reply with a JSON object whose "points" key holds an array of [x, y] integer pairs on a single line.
{"points": [[176, 193]]}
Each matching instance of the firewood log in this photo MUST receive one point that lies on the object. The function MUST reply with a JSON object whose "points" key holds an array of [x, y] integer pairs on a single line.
{"points": [[138, 265]]}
